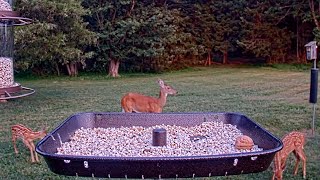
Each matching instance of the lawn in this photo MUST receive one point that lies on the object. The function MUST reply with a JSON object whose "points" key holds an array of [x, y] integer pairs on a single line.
{"points": [[277, 99]]}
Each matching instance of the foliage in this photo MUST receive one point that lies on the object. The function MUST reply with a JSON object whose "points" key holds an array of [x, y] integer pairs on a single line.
{"points": [[227, 29], [262, 36], [58, 35], [152, 36], [268, 41], [132, 32]]}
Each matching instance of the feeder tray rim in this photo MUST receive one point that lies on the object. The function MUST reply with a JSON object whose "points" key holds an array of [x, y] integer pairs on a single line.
{"points": [[15, 17], [146, 158], [153, 167], [153, 158], [15, 87], [8, 92]]}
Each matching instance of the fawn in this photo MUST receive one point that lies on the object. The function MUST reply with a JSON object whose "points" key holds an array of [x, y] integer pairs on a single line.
{"points": [[134, 102], [27, 136], [292, 142]]}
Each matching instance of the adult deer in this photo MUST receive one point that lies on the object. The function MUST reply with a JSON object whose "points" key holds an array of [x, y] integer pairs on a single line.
{"points": [[134, 102], [27, 136], [292, 142]]}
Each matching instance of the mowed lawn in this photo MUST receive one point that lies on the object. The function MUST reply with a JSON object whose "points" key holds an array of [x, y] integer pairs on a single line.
{"points": [[277, 99]]}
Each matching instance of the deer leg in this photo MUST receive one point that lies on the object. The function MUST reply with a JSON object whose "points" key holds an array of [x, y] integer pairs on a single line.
{"points": [[277, 168], [34, 151], [299, 153], [277, 174], [157, 110], [127, 108], [14, 144], [27, 143], [126, 104], [296, 166]]}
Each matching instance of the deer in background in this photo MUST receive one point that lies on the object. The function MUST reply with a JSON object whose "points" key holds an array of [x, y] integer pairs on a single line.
{"points": [[27, 136], [134, 102], [292, 142]]}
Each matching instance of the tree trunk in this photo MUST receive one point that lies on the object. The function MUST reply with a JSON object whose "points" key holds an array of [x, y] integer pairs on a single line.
{"points": [[208, 61], [114, 68], [57, 69], [225, 57], [68, 68], [283, 56], [72, 69]]}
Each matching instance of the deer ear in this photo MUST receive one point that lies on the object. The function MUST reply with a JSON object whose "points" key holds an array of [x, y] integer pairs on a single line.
{"points": [[161, 83]]}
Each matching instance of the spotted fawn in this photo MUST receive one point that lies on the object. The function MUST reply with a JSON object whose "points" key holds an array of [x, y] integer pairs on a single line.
{"points": [[292, 142], [27, 136]]}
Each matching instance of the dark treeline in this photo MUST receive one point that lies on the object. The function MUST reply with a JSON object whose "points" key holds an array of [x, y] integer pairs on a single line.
{"points": [[151, 36]]}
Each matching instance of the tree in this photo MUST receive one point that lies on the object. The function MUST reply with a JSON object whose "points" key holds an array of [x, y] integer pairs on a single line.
{"points": [[202, 26], [268, 41], [299, 12], [315, 12], [58, 36], [128, 31], [227, 29], [263, 36], [182, 44], [193, 36], [112, 21]]}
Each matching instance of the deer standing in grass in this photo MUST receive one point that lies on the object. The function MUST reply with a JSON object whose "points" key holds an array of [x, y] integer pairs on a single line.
{"points": [[134, 102], [292, 142], [27, 136]]}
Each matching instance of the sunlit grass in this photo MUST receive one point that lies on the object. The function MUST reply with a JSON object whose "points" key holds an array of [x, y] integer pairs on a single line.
{"points": [[276, 99]]}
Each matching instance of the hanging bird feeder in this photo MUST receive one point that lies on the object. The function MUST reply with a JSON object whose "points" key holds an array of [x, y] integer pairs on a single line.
{"points": [[9, 89]]}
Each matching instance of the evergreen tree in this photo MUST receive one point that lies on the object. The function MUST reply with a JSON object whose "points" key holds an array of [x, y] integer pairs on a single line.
{"points": [[227, 29], [263, 35]]}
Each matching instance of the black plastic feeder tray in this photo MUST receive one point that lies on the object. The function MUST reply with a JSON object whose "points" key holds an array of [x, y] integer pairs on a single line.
{"points": [[157, 167]]}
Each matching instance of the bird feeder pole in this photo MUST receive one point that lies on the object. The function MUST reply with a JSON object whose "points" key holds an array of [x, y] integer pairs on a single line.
{"points": [[311, 49]]}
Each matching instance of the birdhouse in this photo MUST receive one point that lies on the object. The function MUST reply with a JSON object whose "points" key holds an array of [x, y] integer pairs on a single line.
{"points": [[311, 49]]}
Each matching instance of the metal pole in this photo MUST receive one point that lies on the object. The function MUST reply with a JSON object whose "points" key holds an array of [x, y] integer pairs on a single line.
{"points": [[314, 104], [313, 117]]}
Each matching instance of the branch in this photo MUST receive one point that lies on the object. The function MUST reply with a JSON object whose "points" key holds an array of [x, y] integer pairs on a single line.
{"points": [[114, 15], [311, 4], [99, 20], [290, 7], [132, 6], [283, 16]]}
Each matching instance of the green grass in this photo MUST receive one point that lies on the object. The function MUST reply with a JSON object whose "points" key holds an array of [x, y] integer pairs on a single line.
{"points": [[275, 98]]}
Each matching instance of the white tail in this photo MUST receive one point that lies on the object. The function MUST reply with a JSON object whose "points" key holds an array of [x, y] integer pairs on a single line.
{"points": [[134, 102]]}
